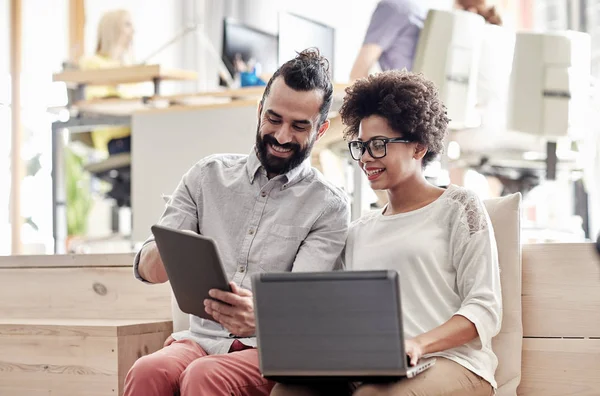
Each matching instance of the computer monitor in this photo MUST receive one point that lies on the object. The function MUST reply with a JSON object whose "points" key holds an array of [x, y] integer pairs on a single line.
{"points": [[250, 45], [550, 84], [298, 33], [448, 53]]}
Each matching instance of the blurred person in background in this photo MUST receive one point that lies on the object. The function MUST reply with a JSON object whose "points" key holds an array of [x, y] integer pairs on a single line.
{"points": [[393, 33], [113, 49]]}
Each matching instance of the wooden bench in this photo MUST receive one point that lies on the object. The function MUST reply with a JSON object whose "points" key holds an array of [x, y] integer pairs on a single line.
{"points": [[74, 324], [561, 320]]}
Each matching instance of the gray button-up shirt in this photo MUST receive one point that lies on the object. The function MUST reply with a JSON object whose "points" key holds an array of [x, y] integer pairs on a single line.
{"points": [[292, 222]]}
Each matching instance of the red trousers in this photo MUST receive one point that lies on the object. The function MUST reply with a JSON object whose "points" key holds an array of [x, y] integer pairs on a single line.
{"points": [[184, 368]]}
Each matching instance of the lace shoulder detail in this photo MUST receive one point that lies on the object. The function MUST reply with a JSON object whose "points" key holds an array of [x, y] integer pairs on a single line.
{"points": [[472, 212], [366, 218]]}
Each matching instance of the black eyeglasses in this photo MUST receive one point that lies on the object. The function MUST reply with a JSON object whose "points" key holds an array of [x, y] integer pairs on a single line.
{"points": [[377, 147]]}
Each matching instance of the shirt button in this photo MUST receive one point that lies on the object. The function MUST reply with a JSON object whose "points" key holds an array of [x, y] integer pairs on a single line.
{"points": [[251, 231], [263, 194], [241, 268], [285, 186]]}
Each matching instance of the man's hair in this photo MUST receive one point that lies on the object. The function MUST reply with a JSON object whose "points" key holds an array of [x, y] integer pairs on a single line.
{"points": [[408, 101], [306, 72]]}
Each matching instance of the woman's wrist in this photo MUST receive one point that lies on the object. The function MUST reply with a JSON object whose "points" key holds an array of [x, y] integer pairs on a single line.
{"points": [[423, 343]]}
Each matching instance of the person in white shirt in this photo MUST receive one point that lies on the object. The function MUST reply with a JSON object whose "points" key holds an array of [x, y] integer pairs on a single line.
{"points": [[439, 240]]}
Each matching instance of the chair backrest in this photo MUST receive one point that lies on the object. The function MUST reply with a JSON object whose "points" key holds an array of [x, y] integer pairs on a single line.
{"points": [[505, 216]]}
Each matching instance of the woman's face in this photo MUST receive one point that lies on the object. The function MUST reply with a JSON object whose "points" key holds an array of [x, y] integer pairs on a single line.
{"points": [[401, 162], [127, 32]]}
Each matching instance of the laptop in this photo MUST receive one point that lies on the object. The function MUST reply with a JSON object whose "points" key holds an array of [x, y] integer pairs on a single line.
{"points": [[344, 325]]}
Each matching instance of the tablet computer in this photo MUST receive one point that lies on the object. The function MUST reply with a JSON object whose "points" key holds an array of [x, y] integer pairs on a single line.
{"points": [[193, 265]]}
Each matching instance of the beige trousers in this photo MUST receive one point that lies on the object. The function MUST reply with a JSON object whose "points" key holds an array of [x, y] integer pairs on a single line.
{"points": [[445, 378]]}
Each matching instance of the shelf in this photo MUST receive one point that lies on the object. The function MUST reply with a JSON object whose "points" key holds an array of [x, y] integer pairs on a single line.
{"points": [[116, 161], [124, 75]]}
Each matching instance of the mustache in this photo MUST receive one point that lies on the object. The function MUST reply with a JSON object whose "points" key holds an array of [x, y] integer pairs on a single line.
{"points": [[269, 139]]}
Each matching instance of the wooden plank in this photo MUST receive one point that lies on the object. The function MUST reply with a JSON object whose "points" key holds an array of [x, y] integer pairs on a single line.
{"points": [[83, 327], [128, 108], [123, 75], [81, 293], [233, 94], [131, 348], [238, 93], [66, 383], [66, 261], [146, 327], [559, 367], [561, 290], [64, 365], [76, 360], [76, 30], [16, 165], [212, 106]]}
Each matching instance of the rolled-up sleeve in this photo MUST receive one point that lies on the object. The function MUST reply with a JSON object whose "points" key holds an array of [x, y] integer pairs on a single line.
{"points": [[181, 210], [478, 282], [386, 23]]}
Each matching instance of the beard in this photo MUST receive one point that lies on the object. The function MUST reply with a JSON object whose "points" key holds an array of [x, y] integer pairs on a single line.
{"points": [[276, 165]]}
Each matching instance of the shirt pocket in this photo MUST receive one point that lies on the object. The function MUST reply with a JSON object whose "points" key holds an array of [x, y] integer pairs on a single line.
{"points": [[281, 247]]}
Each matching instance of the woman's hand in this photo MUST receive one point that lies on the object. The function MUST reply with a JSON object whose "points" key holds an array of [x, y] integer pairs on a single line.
{"points": [[235, 312], [413, 350]]}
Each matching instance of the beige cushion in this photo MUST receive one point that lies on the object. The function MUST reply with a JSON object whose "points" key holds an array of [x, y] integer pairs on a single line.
{"points": [[505, 216]]}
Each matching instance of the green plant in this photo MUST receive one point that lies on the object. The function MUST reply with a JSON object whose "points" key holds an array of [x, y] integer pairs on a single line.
{"points": [[79, 199]]}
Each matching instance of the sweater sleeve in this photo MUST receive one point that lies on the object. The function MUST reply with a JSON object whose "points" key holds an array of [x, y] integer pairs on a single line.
{"points": [[475, 259]]}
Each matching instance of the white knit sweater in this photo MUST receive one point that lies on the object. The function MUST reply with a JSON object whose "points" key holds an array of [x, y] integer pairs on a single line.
{"points": [[446, 257]]}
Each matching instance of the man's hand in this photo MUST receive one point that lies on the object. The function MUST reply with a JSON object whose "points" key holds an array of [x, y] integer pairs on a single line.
{"points": [[414, 350], [238, 316], [151, 267]]}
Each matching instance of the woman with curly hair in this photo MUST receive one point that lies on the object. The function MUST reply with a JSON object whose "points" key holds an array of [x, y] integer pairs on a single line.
{"points": [[440, 241]]}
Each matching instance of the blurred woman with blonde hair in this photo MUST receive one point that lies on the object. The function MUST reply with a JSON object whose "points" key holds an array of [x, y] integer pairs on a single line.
{"points": [[113, 49], [115, 36]]}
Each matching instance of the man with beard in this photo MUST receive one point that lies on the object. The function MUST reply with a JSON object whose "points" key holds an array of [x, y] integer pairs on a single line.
{"points": [[268, 211]]}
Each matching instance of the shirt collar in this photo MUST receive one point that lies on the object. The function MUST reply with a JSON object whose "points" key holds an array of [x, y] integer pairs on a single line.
{"points": [[253, 165], [293, 176]]}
